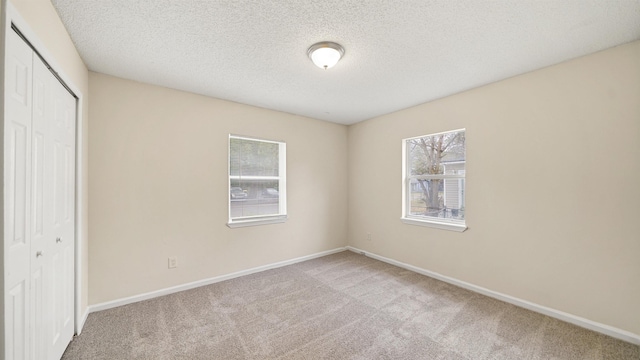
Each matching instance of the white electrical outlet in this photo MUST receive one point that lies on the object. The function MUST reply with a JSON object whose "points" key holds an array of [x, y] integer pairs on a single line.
{"points": [[368, 237], [173, 262]]}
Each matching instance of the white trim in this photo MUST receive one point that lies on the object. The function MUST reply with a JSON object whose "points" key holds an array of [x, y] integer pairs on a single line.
{"points": [[434, 134], [244, 177], [437, 176], [251, 138], [13, 16], [282, 173], [560, 315], [255, 222], [82, 320], [281, 216], [405, 185], [435, 224], [213, 280]]}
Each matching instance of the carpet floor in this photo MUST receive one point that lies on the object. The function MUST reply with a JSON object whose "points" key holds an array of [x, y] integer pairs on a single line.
{"points": [[341, 306]]}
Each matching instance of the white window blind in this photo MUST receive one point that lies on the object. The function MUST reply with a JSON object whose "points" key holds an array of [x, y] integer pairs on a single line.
{"points": [[257, 181]]}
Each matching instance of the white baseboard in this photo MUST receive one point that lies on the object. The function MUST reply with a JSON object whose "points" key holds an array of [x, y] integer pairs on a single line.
{"points": [[573, 319], [560, 315], [195, 284], [83, 320]]}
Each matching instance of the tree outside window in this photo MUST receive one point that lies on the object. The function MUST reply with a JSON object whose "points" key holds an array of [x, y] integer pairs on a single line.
{"points": [[434, 175]]}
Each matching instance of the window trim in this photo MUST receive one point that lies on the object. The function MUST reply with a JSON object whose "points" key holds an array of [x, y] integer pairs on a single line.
{"points": [[282, 187], [262, 220], [444, 224], [434, 224]]}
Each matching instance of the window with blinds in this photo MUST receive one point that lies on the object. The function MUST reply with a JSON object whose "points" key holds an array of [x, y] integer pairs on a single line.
{"points": [[434, 180], [257, 181]]}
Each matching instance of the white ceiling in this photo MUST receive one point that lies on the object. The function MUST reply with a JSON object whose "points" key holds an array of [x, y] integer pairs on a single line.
{"points": [[398, 53]]}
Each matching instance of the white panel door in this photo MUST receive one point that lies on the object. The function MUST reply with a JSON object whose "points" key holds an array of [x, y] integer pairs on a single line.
{"points": [[39, 207], [41, 210], [17, 174], [63, 219]]}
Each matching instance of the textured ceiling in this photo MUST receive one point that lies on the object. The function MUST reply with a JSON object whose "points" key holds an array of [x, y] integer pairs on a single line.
{"points": [[398, 53]]}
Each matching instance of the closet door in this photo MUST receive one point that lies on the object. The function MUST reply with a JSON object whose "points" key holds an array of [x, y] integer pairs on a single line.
{"points": [[63, 221], [41, 209], [18, 253]]}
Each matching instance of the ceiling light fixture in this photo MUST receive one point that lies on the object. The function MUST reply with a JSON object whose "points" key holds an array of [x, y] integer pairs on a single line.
{"points": [[325, 54]]}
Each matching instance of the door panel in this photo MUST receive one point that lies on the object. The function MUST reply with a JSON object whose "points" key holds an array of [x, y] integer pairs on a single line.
{"points": [[17, 321], [38, 325], [63, 224], [18, 152], [54, 303], [17, 174], [41, 241]]}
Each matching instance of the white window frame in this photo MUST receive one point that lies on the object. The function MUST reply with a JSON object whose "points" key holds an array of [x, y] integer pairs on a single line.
{"points": [[282, 187], [407, 218]]}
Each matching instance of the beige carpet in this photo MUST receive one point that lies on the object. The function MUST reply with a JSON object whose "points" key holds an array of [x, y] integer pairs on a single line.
{"points": [[342, 306]]}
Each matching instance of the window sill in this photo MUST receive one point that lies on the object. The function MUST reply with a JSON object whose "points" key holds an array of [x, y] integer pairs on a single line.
{"points": [[435, 224], [256, 222]]}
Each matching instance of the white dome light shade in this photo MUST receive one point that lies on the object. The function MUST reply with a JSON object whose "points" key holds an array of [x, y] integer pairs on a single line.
{"points": [[325, 54], [325, 57]]}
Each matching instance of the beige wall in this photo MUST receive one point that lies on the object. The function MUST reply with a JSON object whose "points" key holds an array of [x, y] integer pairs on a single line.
{"points": [[553, 174], [159, 188], [43, 21]]}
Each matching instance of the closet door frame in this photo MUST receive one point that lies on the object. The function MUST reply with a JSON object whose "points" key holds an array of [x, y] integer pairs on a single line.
{"points": [[12, 17]]}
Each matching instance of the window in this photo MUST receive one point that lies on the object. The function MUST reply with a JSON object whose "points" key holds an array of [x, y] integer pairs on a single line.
{"points": [[257, 182], [434, 180]]}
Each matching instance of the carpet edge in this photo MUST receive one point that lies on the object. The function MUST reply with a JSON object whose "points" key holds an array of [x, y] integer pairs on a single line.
{"points": [[556, 314], [191, 285]]}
